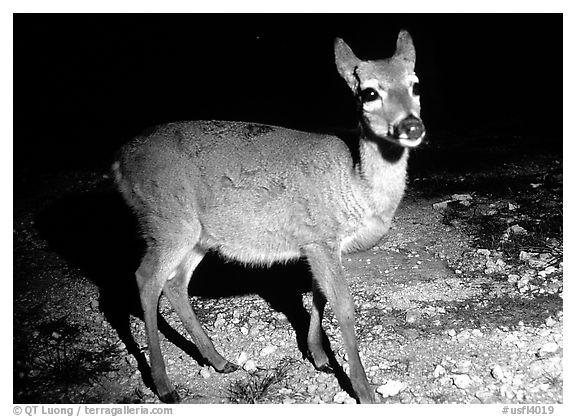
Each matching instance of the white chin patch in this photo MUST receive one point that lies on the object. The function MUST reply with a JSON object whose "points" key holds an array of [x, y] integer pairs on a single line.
{"points": [[410, 143]]}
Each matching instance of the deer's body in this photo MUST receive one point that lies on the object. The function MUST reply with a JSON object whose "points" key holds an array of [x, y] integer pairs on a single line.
{"points": [[261, 194]]}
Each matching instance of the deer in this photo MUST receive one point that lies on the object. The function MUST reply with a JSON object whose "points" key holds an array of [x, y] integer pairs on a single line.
{"points": [[261, 194]]}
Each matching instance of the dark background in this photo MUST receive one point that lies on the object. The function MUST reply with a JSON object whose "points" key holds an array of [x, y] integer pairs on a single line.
{"points": [[83, 84]]}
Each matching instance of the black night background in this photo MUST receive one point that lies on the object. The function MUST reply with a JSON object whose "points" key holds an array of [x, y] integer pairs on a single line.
{"points": [[84, 84]]}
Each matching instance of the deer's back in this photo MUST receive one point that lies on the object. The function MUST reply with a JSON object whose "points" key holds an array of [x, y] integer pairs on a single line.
{"points": [[258, 192]]}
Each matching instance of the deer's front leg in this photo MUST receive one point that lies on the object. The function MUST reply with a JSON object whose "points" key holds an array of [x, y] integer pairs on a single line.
{"points": [[328, 275]]}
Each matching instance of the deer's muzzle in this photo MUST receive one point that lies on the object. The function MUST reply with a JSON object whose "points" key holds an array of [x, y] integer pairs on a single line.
{"points": [[410, 131]]}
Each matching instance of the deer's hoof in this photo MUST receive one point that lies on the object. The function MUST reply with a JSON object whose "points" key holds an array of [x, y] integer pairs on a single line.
{"points": [[325, 368], [322, 364], [171, 398], [228, 368]]}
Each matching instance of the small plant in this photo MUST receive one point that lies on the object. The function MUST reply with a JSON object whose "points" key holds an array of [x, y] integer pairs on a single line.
{"points": [[252, 389], [553, 380], [65, 364], [62, 361], [449, 215]]}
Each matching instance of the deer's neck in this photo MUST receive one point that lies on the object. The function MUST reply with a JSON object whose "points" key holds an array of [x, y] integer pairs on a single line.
{"points": [[382, 170]]}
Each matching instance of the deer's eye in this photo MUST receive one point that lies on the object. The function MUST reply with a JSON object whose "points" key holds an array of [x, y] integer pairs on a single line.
{"points": [[369, 94], [416, 89]]}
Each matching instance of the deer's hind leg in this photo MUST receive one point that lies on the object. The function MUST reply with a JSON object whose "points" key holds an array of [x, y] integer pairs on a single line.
{"points": [[316, 334], [176, 289], [167, 266], [154, 270]]}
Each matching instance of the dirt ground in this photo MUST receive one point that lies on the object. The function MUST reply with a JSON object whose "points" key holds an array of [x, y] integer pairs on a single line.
{"points": [[460, 303]]}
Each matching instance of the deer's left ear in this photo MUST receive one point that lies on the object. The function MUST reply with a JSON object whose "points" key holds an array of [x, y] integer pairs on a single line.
{"points": [[405, 48]]}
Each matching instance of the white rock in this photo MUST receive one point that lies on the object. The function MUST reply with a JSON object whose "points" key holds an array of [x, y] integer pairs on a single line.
{"points": [[510, 339], [463, 336], [442, 205], [250, 365], [268, 350], [205, 373], [463, 198], [525, 256], [497, 372], [550, 322], [412, 316], [545, 332], [462, 381], [484, 395], [518, 230], [549, 270], [390, 388], [242, 358], [311, 389], [439, 371], [512, 278], [548, 348], [485, 252], [343, 398], [493, 266]]}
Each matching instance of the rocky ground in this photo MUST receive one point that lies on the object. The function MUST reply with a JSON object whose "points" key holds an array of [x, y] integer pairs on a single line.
{"points": [[461, 303]]}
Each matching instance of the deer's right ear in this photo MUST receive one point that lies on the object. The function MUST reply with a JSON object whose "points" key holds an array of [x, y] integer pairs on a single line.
{"points": [[346, 62]]}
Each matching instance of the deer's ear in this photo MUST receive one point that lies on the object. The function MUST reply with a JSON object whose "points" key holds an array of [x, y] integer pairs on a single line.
{"points": [[405, 48], [346, 62]]}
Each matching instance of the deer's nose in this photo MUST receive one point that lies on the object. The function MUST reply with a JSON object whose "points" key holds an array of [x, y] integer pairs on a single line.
{"points": [[410, 128]]}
